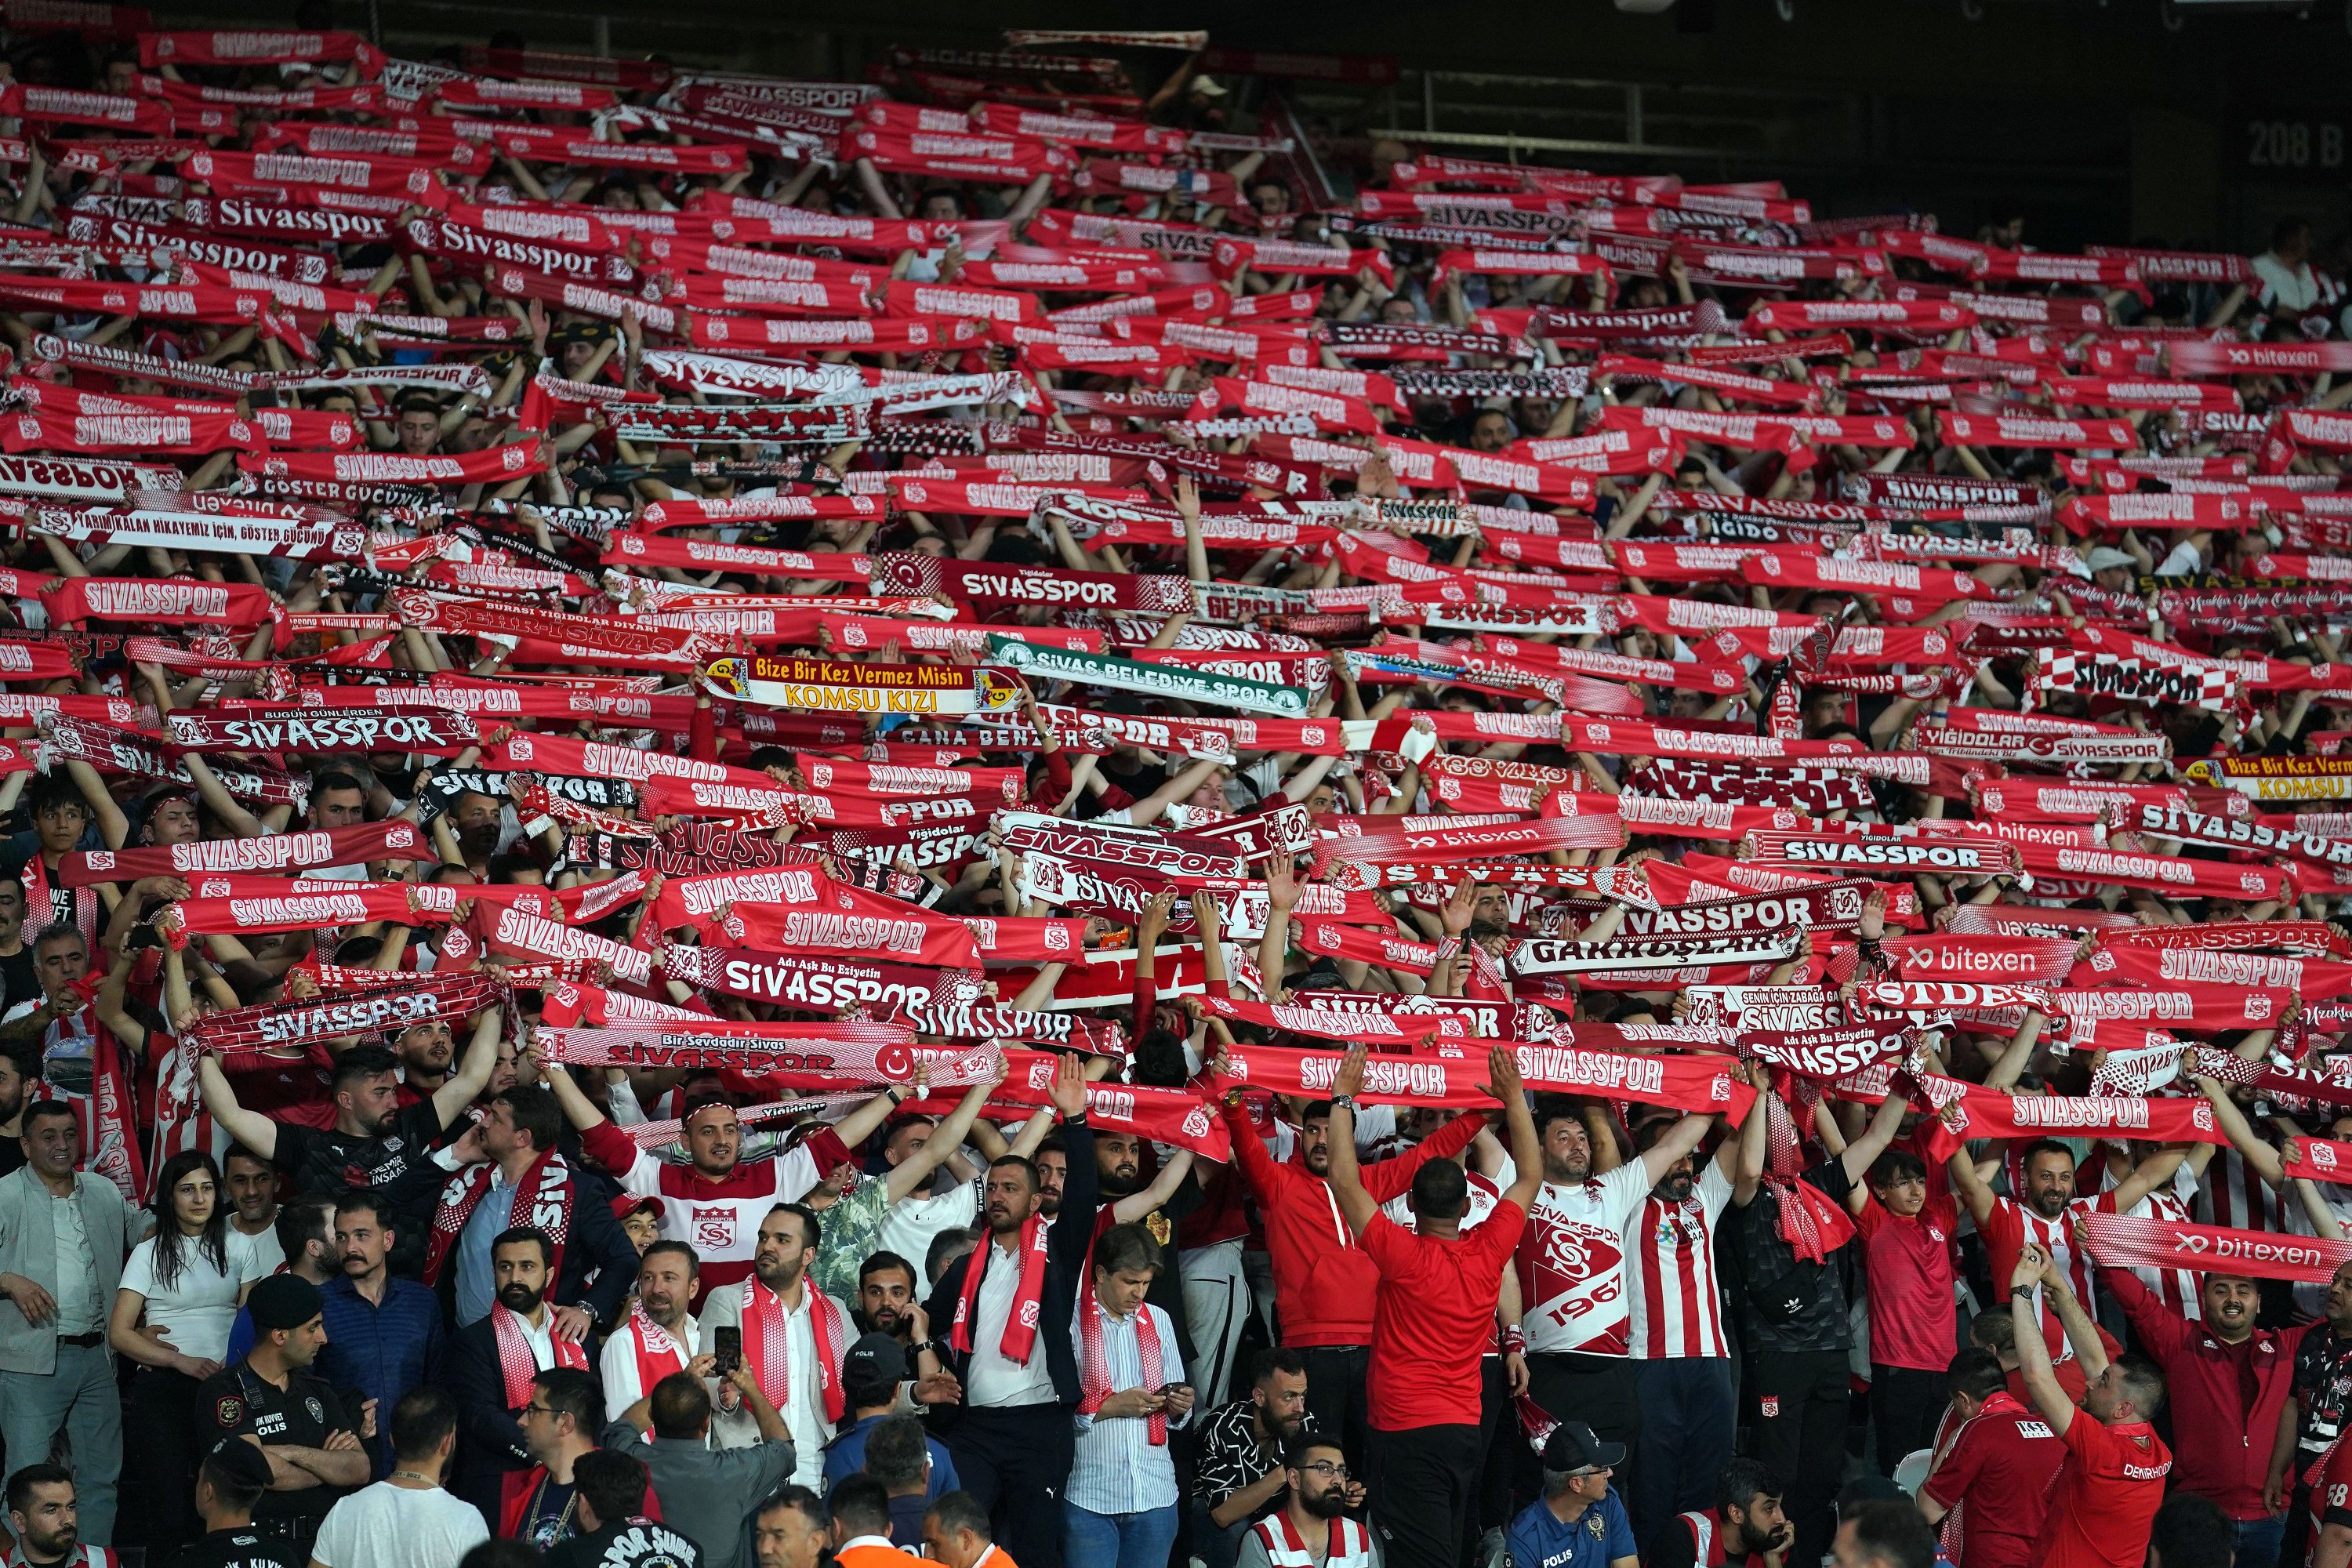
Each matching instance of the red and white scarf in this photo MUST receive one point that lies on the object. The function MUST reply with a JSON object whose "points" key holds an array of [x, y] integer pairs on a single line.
{"points": [[1020, 1336], [543, 1199], [767, 1344], [658, 1353], [517, 1365], [1094, 1366]]}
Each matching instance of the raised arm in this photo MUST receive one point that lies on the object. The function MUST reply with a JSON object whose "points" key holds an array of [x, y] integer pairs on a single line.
{"points": [[1356, 1204], [2258, 1156], [473, 1071], [1172, 1175], [1686, 1136], [1526, 1149], [2156, 1171], [1876, 1139], [2032, 1352], [914, 1172], [1972, 1188], [256, 1131]]}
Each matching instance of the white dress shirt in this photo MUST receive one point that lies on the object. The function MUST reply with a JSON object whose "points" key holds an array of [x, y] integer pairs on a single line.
{"points": [[997, 1382]]}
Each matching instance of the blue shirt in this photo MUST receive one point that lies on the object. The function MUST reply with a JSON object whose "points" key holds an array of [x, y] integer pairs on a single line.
{"points": [[1598, 1536], [845, 1456], [475, 1294], [382, 1352]]}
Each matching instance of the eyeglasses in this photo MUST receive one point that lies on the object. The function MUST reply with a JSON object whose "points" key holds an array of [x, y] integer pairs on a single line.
{"points": [[538, 1410], [1327, 1468]]}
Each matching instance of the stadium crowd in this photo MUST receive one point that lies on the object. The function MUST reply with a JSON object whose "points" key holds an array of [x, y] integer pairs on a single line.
{"points": [[1016, 812]]}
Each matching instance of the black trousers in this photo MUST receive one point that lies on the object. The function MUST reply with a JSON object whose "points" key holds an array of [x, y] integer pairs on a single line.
{"points": [[1498, 1426], [1597, 1390], [159, 1430], [1335, 1397], [1014, 1463], [1422, 1482], [1906, 1403], [1802, 1407]]}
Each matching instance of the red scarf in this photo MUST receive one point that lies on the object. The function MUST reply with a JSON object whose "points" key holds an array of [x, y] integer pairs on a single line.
{"points": [[517, 1365], [769, 1348], [543, 1199], [1812, 1223], [1094, 1366], [659, 1352], [1028, 1302]]}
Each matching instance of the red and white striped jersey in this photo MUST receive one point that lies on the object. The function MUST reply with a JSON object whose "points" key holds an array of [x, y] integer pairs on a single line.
{"points": [[2179, 1288], [2235, 1195], [2012, 1225], [1677, 1310]]}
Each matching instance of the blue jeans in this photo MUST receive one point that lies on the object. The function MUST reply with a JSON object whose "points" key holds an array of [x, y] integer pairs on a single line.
{"points": [[80, 1397], [1116, 1540], [2256, 1541], [1686, 1436]]}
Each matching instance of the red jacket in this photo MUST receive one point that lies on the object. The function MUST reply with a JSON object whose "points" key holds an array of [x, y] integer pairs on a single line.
{"points": [[1324, 1283], [2232, 1456]]}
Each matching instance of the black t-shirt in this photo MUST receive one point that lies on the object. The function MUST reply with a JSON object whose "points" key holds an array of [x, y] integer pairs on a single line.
{"points": [[631, 1543], [18, 980], [1784, 1303], [243, 1547], [11, 1154], [549, 1517], [305, 1413], [398, 1168]]}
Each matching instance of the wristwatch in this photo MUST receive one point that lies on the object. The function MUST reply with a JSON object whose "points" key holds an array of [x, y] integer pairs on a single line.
{"points": [[1344, 1102]]}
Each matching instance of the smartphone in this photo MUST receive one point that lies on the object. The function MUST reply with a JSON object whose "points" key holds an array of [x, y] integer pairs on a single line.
{"points": [[728, 1348]]}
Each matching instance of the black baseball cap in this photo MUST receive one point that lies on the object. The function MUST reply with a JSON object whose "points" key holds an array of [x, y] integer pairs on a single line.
{"points": [[874, 1360], [1573, 1446]]}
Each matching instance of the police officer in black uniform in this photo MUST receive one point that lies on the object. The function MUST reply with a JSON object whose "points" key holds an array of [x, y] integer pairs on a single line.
{"points": [[305, 1433], [235, 1476]]}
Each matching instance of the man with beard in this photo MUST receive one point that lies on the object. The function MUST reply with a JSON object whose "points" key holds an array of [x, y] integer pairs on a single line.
{"points": [[717, 1203], [658, 1337], [2323, 1395], [2225, 1378], [528, 1181], [1570, 1264], [1747, 1526], [492, 1367], [17, 981], [2047, 1217], [20, 1073], [302, 1424], [1008, 1305], [1241, 1475], [1324, 1285], [427, 1051], [1314, 1527], [375, 1141], [48, 1527], [383, 1332], [1674, 1329], [1172, 1194], [887, 1304], [794, 1337]]}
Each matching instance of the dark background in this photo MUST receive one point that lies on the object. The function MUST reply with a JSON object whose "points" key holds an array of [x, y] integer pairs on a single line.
{"points": [[2096, 121]]}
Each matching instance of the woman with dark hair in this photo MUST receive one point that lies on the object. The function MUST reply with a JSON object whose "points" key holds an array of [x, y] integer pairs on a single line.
{"points": [[180, 1292]]}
